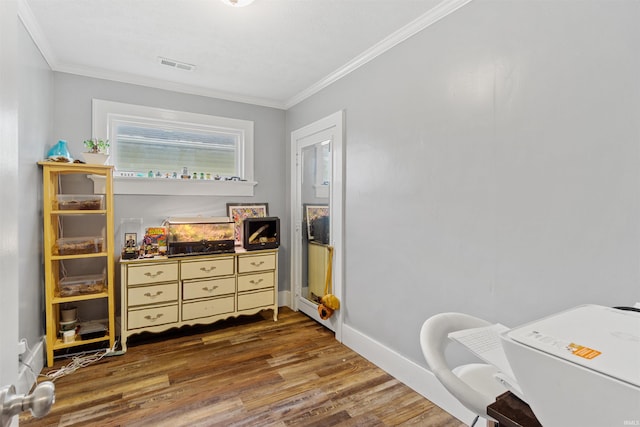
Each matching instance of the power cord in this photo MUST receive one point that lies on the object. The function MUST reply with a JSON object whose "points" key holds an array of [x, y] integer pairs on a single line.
{"points": [[82, 360]]}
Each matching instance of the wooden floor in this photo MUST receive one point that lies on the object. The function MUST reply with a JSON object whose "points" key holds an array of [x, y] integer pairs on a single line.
{"points": [[248, 371]]}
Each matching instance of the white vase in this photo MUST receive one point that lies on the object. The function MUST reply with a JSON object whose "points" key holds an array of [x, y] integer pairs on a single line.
{"points": [[95, 158]]}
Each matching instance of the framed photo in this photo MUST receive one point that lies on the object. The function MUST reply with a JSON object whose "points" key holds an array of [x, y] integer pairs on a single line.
{"points": [[312, 212], [239, 211], [130, 240], [130, 249]]}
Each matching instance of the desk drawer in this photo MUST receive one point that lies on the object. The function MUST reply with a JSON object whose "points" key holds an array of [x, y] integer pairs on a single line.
{"points": [[208, 288], [207, 268], [206, 308], [145, 295], [249, 264], [256, 299], [152, 273], [152, 317], [252, 282]]}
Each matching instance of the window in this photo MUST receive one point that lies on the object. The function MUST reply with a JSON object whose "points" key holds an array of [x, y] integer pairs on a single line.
{"points": [[180, 148], [156, 147]]}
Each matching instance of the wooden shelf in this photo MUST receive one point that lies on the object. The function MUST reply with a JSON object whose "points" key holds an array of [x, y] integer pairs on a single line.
{"points": [[79, 212], [53, 183], [59, 344], [79, 256], [74, 298]]}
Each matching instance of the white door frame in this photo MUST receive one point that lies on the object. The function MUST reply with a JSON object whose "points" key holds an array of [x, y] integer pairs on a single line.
{"points": [[334, 124]]}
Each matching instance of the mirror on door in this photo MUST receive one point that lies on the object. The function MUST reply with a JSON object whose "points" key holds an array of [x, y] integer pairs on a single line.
{"points": [[316, 219], [314, 196]]}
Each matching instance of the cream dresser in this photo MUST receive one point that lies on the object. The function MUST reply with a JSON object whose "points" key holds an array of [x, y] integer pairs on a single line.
{"points": [[160, 294]]}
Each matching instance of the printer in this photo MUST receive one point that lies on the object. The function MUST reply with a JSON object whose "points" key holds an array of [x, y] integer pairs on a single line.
{"points": [[579, 367]]}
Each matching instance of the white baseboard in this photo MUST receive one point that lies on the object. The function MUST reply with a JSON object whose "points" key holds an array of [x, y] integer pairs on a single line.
{"points": [[35, 360], [410, 373]]}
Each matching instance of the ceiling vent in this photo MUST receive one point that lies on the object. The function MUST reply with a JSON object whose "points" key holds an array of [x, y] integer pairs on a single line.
{"points": [[176, 64]]}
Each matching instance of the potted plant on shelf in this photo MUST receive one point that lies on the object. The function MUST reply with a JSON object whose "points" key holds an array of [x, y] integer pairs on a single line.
{"points": [[98, 151]]}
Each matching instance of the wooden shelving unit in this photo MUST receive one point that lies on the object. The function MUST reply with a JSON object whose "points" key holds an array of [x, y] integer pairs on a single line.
{"points": [[52, 174]]}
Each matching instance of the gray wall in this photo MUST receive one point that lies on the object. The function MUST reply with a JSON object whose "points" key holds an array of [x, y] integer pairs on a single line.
{"points": [[35, 113], [497, 151], [72, 122], [491, 167]]}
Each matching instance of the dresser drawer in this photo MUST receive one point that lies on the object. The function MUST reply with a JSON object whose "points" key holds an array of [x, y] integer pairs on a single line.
{"points": [[256, 299], [145, 295], [207, 268], [206, 308], [152, 316], [251, 282], [248, 264], [193, 289], [152, 273]]}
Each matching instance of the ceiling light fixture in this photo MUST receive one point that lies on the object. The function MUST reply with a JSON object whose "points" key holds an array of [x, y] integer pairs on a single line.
{"points": [[237, 3]]}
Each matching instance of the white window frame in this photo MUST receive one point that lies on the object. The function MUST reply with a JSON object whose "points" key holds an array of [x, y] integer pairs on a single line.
{"points": [[105, 111]]}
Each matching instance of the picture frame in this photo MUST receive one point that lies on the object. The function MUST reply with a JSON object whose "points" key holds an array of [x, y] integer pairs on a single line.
{"points": [[312, 212], [130, 246], [239, 211], [130, 240]]}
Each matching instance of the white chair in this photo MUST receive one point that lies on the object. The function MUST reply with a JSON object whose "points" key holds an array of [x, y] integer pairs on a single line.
{"points": [[473, 385]]}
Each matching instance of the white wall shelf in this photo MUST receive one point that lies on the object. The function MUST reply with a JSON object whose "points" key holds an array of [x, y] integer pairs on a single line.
{"points": [[175, 187]]}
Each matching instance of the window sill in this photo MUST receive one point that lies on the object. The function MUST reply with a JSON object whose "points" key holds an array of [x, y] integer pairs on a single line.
{"points": [[174, 187]]}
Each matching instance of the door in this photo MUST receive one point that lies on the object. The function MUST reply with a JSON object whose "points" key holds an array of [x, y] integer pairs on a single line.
{"points": [[8, 191], [316, 217]]}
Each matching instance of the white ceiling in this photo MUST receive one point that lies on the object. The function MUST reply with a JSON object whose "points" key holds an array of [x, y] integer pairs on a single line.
{"points": [[273, 52]]}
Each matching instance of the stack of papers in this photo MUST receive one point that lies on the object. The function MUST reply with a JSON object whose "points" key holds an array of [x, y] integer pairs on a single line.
{"points": [[486, 344]]}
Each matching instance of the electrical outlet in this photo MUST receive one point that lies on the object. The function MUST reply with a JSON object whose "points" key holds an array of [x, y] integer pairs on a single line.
{"points": [[22, 347]]}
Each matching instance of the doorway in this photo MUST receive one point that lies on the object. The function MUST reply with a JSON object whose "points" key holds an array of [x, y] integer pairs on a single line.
{"points": [[317, 217]]}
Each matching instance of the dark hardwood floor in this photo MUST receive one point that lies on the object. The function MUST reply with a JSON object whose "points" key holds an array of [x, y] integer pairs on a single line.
{"points": [[248, 371]]}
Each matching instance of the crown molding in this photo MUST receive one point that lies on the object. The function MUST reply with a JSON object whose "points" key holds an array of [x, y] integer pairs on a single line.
{"points": [[35, 32], [166, 85], [429, 18]]}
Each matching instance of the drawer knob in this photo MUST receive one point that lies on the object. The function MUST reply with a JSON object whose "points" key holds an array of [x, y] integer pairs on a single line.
{"points": [[257, 264], [148, 294], [153, 319], [211, 289], [208, 270], [255, 282], [153, 275]]}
